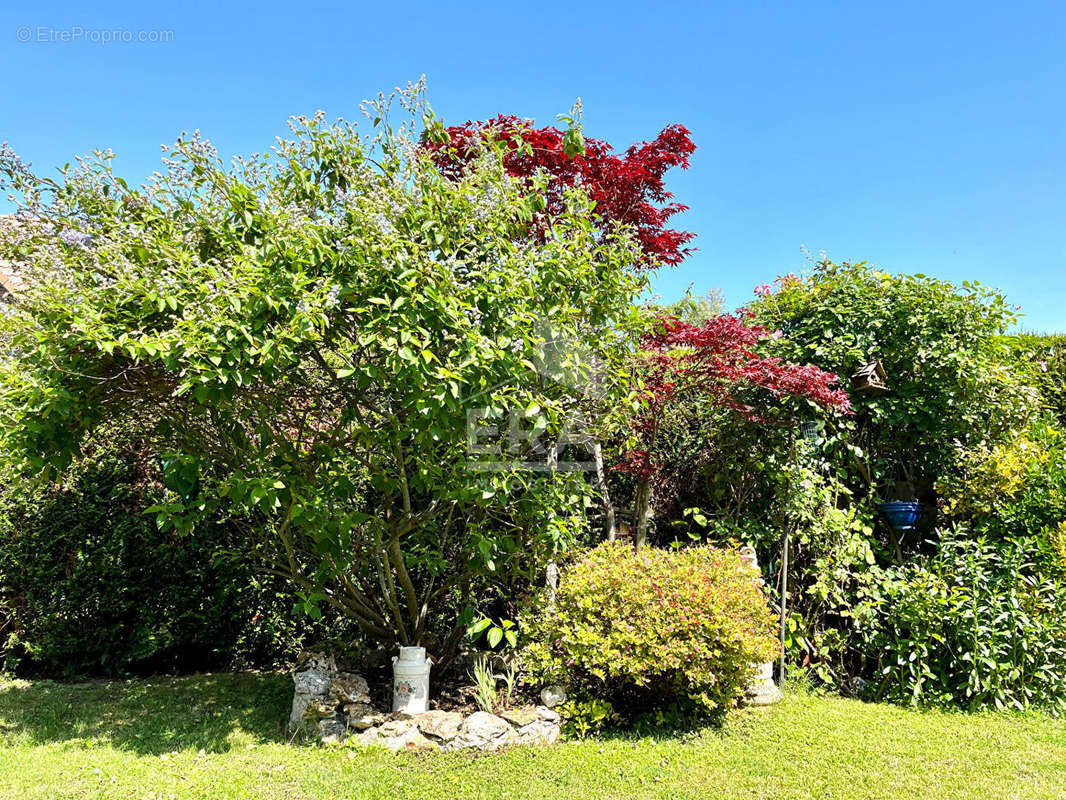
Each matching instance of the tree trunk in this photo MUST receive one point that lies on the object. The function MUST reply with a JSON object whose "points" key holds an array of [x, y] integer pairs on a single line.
{"points": [[642, 511], [601, 480]]}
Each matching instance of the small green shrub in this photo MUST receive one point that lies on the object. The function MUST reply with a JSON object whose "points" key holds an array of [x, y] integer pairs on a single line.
{"points": [[651, 629]]}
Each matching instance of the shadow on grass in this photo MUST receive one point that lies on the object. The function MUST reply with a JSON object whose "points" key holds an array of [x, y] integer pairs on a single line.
{"points": [[214, 712]]}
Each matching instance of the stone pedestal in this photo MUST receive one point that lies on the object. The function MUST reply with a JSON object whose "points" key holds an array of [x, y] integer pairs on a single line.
{"points": [[763, 691]]}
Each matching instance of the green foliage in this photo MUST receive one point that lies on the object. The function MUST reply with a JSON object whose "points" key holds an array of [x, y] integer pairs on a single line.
{"points": [[312, 333], [585, 718], [1043, 360], [486, 694], [955, 429], [1018, 483], [697, 309], [496, 632], [948, 375], [977, 625], [833, 553], [641, 630], [91, 586], [1015, 489]]}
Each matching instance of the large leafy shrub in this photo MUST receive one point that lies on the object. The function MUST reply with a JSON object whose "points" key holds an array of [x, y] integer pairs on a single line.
{"points": [[953, 387], [313, 331], [646, 629], [978, 625], [950, 377]]}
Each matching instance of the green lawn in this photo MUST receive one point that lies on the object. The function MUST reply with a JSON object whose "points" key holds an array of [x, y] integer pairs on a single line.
{"points": [[220, 736]]}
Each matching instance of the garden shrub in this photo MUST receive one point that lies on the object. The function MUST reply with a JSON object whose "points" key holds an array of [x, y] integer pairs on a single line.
{"points": [[956, 395], [950, 375], [330, 342], [1014, 489], [977, 625], [651, 630], [89, 586], [1043, 359]]}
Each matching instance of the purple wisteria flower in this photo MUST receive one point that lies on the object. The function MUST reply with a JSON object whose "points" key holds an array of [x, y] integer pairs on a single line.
{"points": [[76, 238]]}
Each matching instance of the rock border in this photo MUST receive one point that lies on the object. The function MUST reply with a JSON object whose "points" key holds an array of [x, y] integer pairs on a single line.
{"points": [[450, 730], [336, 707]]}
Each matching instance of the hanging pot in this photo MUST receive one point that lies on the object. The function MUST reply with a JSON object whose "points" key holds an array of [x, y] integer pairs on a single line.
{"points": [[902, 515]]}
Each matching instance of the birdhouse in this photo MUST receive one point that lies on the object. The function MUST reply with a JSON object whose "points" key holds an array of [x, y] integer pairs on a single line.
{"points": [[809, 430], [624, 532], [870, 379]]}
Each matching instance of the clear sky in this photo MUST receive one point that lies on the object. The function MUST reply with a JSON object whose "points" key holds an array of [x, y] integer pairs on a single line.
{"points": [[920, 136]]}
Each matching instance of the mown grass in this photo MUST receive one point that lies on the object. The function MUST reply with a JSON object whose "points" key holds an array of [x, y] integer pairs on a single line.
{"points": [[221, 736]]}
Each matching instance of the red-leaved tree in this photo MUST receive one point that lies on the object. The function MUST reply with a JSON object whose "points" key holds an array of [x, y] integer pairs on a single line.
{"points": [[714, 362], [628, 188]]}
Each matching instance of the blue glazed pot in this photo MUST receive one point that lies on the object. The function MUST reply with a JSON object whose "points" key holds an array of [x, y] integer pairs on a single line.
{"points": [[902, 514]]}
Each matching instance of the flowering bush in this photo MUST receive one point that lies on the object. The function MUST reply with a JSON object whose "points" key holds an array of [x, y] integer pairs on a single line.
{"points": [[647, 629], [308, 334]]}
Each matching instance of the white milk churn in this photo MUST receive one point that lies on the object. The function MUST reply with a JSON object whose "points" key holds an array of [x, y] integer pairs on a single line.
{"points": [[410, 680]]}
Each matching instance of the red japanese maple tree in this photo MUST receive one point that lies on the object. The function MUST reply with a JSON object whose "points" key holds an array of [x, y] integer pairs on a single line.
{"points": [[716, 362], [627, 188]]}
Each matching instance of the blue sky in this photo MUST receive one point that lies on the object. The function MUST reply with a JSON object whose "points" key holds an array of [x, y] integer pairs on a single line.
{"points": [[923, 137]]}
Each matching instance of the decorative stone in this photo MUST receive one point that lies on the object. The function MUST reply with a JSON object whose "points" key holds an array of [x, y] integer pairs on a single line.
{"points": [[520, 716], [763, 695], [368, 737], [359, 723], [320, 709], [349, 687], [443, 725], [539, 732], [311, 683], [553, 696], [396, 727], [547, 714], [484, 731], [314, 660], [331, 730], [412, 741], [362, 716], [763, 691]]}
